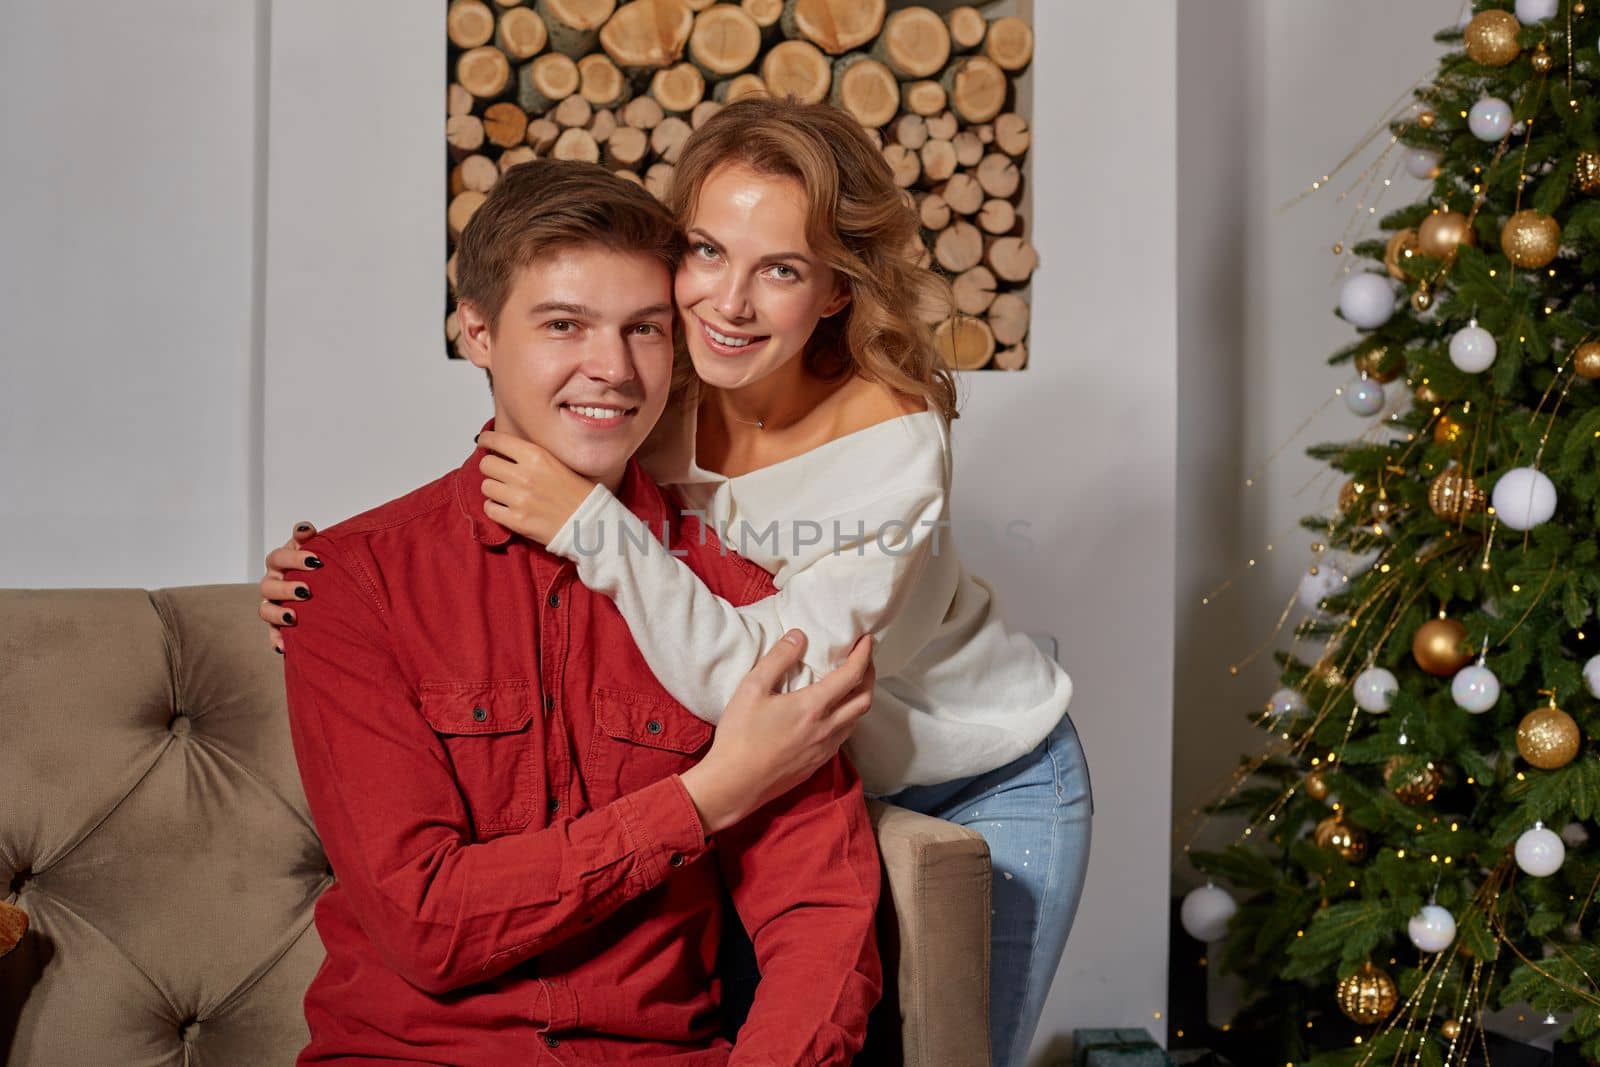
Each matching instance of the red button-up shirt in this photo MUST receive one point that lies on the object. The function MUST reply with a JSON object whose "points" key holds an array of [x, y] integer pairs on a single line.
{"points": [[520, 875]]}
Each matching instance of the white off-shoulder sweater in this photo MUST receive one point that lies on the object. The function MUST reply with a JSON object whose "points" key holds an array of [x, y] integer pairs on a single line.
{"points": [[856, 536]]}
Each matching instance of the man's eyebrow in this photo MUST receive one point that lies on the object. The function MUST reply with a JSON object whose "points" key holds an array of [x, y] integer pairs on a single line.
{"points": [[774, 257], [653, 309], [564, 308]]}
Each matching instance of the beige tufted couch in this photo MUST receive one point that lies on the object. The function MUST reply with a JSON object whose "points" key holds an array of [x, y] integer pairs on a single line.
{"points": [[153, 829]]}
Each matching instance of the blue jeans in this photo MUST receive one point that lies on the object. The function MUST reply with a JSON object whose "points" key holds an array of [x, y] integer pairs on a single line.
{"points": [[1035, 814]]}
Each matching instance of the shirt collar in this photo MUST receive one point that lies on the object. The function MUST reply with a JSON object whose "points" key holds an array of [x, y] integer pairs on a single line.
{"points": [[638, 493]]}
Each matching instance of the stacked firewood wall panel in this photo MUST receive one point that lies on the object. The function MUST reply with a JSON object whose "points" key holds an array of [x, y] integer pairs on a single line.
{"points": [[624, 84]]}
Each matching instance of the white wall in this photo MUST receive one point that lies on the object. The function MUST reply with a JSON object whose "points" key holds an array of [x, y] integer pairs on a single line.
{"points": [[129, 145]]}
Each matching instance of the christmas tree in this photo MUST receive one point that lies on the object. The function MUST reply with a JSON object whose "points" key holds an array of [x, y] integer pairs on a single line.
{"points": [[1417, 850]]}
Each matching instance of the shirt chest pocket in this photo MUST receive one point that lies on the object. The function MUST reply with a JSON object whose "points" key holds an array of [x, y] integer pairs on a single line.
{"points": [[640, 738], [488, 733]]}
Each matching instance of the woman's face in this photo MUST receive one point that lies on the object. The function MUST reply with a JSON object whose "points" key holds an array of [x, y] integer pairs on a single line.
{"points": [[750, 289]]}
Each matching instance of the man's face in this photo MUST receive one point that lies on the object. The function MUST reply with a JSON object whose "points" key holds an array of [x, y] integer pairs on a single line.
{"points": [[581, 355]]}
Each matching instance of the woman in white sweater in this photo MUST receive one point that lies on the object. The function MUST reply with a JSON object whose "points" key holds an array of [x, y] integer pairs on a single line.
{"points": [[812, 431]]}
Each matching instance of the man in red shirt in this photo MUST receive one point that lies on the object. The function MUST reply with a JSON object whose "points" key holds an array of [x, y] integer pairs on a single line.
{"points": [[532, 842]]}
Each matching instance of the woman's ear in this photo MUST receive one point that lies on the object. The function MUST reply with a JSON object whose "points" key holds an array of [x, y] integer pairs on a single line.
{"points": [[475, 342], [841, 298]]}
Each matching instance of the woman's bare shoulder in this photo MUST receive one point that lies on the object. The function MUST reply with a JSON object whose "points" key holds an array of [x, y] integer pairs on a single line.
{"points": [[862, 403]]}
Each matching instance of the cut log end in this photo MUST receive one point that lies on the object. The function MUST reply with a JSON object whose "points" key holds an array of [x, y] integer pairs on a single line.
{"points": [[725, 41], [904, 164], [797, 69], [1009, 44], [866, 89], [600, 81], [1008, 318], [469, 24], [967, 27], [963, 342], [835, 26], [521, 33], [678, 88], [1013, 358], [977, 88], [959, 247], [484, 72], [1012, 259], [925, 98], [505, 124], [915, 43], [649, 34], [576, 143]]}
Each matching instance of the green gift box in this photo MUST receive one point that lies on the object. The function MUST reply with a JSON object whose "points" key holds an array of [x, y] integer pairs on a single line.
{"points": [[1117, 1048]]}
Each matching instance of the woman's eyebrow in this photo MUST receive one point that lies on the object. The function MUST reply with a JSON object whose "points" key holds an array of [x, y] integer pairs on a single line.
{"points": [[775, 256]]}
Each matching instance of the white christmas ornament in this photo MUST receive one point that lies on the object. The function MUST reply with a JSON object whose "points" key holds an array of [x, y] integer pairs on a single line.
{"points": [[1432, 929], [1490, 119], [1540, 851], [1475, 689], [1374, 690], [1366, 300], [1472, 348], [1421, 163], [1364, 396], [1319, 584], [1206, 911], [1573, 835], [1591, 676], [1524, 498], [1285, 702], [1531, 11]]}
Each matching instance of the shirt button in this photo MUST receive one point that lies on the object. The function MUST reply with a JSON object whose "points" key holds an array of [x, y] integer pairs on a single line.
{"points": [[480, 713], [549, 703], [554, 600], [676, 859], [555, 805], [654, 726], [553, 1042]]}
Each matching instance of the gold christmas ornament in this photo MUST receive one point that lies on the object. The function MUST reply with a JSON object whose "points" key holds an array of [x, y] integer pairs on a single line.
{"points": [[1448, 430], [1586, 360], [1548, 738], [1450, 1029], [1422, 299], [1578, 8], [1453, 495], [1334, 834], [1368, 996], [1530, 238], [1427, 396], [1383, 509], [1317, 785], [1417, 787], [1427, 119], [1338, 248], [1541, 59], [1586, 175], [1376, 364], [1491, 38], [1394, 253], [1326, 673], [1349, 494], [1437, 647], [1441, 233]]}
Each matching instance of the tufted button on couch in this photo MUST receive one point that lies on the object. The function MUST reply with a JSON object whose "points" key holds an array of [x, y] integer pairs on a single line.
{"points": [[153, 829]]}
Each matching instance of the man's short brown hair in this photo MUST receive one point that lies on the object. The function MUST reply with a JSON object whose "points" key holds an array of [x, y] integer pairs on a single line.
{"points": [[542, 206]]}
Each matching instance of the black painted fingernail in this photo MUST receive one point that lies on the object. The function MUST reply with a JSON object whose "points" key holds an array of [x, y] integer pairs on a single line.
{"points": [[302, 592], [278, 650], [476, 436], [288, 617], [312, 563], [302, 527]]}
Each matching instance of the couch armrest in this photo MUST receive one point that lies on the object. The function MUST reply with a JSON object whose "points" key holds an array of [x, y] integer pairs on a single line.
{"points": [[938, 885]]}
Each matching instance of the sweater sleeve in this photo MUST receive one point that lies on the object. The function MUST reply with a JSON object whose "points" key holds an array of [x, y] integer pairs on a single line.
{"points": [[847, 574]]}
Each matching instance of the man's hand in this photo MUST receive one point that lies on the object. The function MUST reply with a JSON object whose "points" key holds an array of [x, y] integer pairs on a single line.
{"points": [[278, 597], [527, 489], [768, 743]]}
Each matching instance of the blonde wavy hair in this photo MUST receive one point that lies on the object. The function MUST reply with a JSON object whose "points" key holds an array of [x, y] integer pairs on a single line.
{"points": [[858, 222]]}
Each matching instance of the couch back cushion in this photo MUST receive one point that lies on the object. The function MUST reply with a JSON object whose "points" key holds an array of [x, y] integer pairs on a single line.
{"points": [[153, 827]]}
